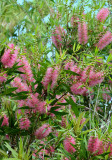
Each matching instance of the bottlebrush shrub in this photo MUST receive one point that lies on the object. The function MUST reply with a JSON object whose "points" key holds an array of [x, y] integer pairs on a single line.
{"points": [[54, 104], [40, 114]]}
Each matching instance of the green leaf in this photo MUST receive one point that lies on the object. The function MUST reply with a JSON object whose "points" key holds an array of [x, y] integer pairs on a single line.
{"points": [[54, 108], [67, 154], [59, 113], [53, 102], [73, 106], [52, 1], [9, 91], [3, 153], [25, 107], [8, 81], [14, 153], [62, 104], [109, 58], [21, 150], [21, 97], [74, 47]]}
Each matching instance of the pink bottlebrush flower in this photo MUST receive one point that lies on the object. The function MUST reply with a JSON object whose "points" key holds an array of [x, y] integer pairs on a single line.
{"points": [[11, 45], [110, 154], [67, 144], [102, 14], [24, 123], [82, 33], [101, 148], [42, 108], [68, 65], [3, 77], [84, 75], [76, 89], [75, 69], [74, 20], [43, 131], [54, 77], [63, 122], [36, 105], [25, 69], [95, 146], [33, 101], [22, 103], [9, 57], [58, 37], [95, 77], [17, 82], [48, 77], [104, 40], [5, 121]]}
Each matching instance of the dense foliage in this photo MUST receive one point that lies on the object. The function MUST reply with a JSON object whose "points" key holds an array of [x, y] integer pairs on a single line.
{"points": [[55, 80]]}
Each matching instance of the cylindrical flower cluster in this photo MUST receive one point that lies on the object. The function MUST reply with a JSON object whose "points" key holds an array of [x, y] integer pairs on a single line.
{"points": [[104, 40], [67, 144], [26, 68], [58, 37], [50, 76], [78, 88], [82, 33], [43, 131], [20, 85], [5, 121], [9, 57], [102, 14], [95, 146], [24, 123]]}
